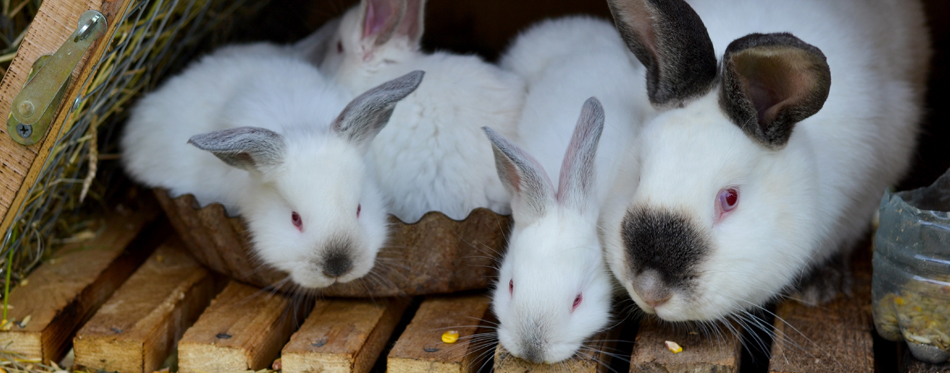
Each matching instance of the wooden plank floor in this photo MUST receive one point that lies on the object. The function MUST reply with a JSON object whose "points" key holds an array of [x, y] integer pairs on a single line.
{"points": [[395, 335]]}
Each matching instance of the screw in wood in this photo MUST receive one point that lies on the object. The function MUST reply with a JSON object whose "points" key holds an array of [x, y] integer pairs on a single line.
{"points": [[24, 130], [223, 336]]}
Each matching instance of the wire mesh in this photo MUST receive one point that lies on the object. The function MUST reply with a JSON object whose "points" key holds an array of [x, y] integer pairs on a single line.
{"points": [[153, 38]]}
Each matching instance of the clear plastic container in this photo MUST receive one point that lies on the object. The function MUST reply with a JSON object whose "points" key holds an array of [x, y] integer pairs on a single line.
{"points": [[911, 286]]}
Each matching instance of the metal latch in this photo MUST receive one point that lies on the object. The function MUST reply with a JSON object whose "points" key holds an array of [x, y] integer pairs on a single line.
{"points": [[36, 104]]}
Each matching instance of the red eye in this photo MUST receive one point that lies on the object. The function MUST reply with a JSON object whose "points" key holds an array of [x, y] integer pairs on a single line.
{"points": [[339, 46], [295, 217], [511, 287], [577, 301], [358, 208], [727, 200]]}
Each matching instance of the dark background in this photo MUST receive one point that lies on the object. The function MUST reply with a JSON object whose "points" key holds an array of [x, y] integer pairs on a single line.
{"points": [[484, 27]]}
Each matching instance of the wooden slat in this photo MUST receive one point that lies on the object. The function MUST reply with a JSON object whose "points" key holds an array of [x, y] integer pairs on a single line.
{"points": [[137, 328], [594, 360], [244, 328], [66, 290], [701, 353], [420, 347], [342, 336], [54, 22], [834, 337]]}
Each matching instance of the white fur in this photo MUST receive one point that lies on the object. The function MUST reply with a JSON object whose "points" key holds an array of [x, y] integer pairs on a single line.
{"points": [[557, 256], [433, 155], [799, 205], [323, 177]]}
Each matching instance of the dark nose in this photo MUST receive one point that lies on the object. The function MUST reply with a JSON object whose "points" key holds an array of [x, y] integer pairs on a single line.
{"points": [[337, 264], [533, 354], [650, 287]]}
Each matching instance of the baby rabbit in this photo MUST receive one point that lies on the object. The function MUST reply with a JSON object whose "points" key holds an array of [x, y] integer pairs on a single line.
{"points": [[266, 141], [554, 290], [759, 170], [432, 156]]}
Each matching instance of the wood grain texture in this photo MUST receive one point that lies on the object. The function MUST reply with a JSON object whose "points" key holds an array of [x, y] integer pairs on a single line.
{"points": [[420, 347], [434, 255], [244, 328], [592, 361], [342, 336], [701, 353], [66, 290], [834, 337], [140, 324], [54, 23]]}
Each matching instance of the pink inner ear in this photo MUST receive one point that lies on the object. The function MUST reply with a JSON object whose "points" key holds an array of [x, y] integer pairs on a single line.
{"points": [[378, 13]]}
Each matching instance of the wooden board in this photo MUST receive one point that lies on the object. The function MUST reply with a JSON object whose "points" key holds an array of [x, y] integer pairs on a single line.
{"points": [[420, 347], [244, 328], [582, 362], [834, 337], [435, 255], [55, 21], [701, 353], [342, 336], [137, 328]]}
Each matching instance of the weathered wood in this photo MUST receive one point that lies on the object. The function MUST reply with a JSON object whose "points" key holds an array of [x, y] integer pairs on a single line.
{"points": [[244, 328], [908, 364], [342, 336], [590, 360], [834, 337], [139, 325], [66, 290], [701, 353], [420, 347], [54, 22], [434, 255]]}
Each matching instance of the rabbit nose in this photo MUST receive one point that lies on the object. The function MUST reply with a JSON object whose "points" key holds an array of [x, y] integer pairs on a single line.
{"points": [[337, 264], [651, 289], [533, 354]]}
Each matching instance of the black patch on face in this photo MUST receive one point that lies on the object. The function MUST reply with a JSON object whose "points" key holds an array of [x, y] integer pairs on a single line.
{"points": [[770, 82], [665, 242], [336, 258], [670, 39]]}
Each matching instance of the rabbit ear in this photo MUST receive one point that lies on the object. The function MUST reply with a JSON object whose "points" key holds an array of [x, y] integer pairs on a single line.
{"points": [[770, 82], [576, 184], [316, 45], [412, 24], [249, 148], [523, 177], [380, 18], [669, 38], [367, 114]]}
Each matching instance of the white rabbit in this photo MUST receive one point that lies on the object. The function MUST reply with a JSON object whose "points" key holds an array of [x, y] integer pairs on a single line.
{"points": [[554, 290], [766, 165], [266, 141], [432, 155]]}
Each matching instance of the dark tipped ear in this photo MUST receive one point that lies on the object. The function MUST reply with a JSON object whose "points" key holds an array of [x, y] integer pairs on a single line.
{"points": [[523, 177], [669, 38], [248, 148], [770, 82], [380, 18], [367, 114], [412, 24], [576, 184], [316, 45]]}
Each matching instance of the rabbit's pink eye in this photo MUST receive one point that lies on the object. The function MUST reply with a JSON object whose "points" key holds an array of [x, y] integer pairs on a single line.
{"points": [[511, 287], [295, 217], [358, 208], [339, 46], [577, 301], [728, 199]]}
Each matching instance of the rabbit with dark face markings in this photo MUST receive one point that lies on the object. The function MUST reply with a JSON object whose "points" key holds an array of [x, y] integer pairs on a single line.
{"points": [[266, 135], [768, 163]]}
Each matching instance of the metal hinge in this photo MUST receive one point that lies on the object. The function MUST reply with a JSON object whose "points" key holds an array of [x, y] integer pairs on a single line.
{"points": [[36, 104]]}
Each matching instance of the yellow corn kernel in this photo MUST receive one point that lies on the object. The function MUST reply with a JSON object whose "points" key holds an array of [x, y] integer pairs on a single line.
{"points": [[673, 347], [899, 301], [450, 336]]}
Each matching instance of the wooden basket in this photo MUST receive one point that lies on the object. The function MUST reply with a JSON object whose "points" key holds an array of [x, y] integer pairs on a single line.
{"points": [[434, 255]]}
